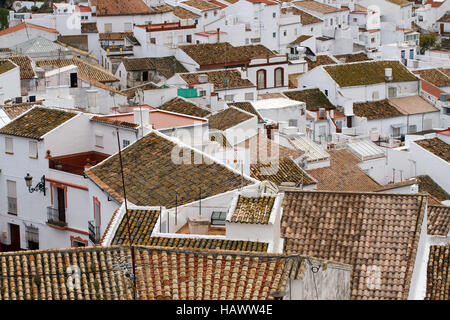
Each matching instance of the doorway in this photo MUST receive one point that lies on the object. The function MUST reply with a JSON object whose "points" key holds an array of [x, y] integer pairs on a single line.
{"points": [[14, 231], [61, 204]]}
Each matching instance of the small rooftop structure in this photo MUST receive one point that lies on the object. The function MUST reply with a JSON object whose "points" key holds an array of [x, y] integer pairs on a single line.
{"points": [[366, 149], [313, 151]]}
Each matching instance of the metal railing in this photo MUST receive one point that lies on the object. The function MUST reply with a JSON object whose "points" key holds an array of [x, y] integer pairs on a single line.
{"points": [[94, 232], [53, 217]]}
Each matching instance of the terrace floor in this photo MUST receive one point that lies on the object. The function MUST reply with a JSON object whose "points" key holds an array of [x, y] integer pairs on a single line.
{"points": [[212, 231]]}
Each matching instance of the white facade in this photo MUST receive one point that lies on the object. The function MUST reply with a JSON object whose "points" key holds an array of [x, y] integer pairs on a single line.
{"points": [[10, 84]]}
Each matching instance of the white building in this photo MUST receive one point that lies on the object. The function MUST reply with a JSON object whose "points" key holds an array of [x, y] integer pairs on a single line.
{"points": [[9, 81]]}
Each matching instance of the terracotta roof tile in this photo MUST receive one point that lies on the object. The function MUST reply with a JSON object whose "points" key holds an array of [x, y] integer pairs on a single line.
{"points": [[89, 27], [167, 66], [314, 99], [437, 147], [152, 178], [218, 78], [366, 73], [434, 76], [438, 273], [201, 5], [24, 25], [343, 174], [209, 244], [141, 224], [114, 35], [227, 118], [161, 274], [127, 7], [220, 53], [353, 57], [16, 110], [376, 110], [37, 122], [372, 232], [179, 105], [247, 106], [286, 170], [114, 122], [438, 220], [317, 6], [77, 41], [444, 18], [25, 65], [86, 71], [429, 186], [305, 18], [6, 65], [320, 60], [182, 13], [401, 3], [300, 39], [253, 210]]}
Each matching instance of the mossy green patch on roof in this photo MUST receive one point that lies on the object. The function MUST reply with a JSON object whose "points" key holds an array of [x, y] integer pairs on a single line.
{"points": [[5, 66], [367, 73], [376, 110], [314, 99], [37, 122]]}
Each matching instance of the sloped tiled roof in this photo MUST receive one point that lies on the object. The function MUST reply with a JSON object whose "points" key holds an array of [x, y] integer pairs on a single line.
{"points": [[429, 186], [37, 122], [343, 174], [412, 105], [437, 147], [401, 3], [219, 53], [161, 273], [141, 224], [286, 170], [218, 78], [305, 18], [25, 65], [444, 18], [322, 59], [317, 7], [209, 244], [24, 25], [366, 73], [372, 232], [89, 27], [314, 99], [79, 41], [353, 57], [114, 35], [167, 66], [253, 209], [247, 106], [434, 76], [127, 7], [438, 220], [86, 71], [201, 5], [438, 273], [14, 111], [300, 39], [227, 118], [5, 66], [152, 178], [39, 46], [124, 124], [179, 105], [182, 13], [376, 110]]}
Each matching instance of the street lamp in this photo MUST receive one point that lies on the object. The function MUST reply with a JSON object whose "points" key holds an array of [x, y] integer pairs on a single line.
{"points": [[39, 187]]}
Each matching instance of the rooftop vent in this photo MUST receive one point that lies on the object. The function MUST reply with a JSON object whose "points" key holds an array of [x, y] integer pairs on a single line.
{"points": [[388, 74], [202, 78]]}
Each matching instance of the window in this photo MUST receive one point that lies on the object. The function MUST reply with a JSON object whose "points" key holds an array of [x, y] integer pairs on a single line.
{"points": [[125, 143], [395, 132], [261, 79], [285, 33], [99, 141], [292, 122], [108, 27], [215, 12], [77, 242], [279, 75], [32, 237], [331, 21], [372, 40], [247, 40], [274, 14], [354, 19], [411, 53], [412, 129], [97, 212], [153, 40], [33, 150], [326, 92], [229, 97], [375, 95], [206, 15], [392, 92], [274, 34], [249, 96], [202, 93], [189, 38], [12, 197], [128, 27], [9, 147], [312, 29]]}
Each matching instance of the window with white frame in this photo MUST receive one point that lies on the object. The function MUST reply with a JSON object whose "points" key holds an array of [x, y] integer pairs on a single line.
{"points": [[99, 140], [128, 27], [292, 122], [108, 27], [12, 196], [249, 96], [125, 143], [9, 146], [412, 128], [33, 150], [229, 97]]}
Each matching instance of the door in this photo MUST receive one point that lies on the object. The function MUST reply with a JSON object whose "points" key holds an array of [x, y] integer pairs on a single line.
{"points": [[145, 76], [442, 28], [61, 204], [14, 231], [349, 122], [73, 80]]}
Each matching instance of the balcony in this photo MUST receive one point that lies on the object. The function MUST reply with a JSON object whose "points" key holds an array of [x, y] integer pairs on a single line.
{"points": [[94, 232], [56, 217]]}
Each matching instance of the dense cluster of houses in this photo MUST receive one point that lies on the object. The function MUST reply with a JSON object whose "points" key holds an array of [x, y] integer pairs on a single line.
{"points": [[225, 149]]}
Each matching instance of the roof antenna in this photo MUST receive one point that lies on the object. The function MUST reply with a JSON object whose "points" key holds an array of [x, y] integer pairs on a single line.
{"points": [[130, 243]]}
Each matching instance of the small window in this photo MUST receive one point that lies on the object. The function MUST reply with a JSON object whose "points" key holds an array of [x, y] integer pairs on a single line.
{"points": [[33, 150], [125, 143], [77, 244], [354, 19], [229, 97], [274, 14], [285, 33], [99, 141], [215, 12], [206, 15], [202, 93], [292, 122], [412, 129], [326, 92], [9, 147], [108, 27], [12, 196], [274, 34], [375, 95], [249, 96], [153, 40], [128, 27]]}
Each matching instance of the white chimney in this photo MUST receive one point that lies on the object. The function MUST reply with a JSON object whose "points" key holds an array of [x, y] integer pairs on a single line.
{"points": [[388, 74], [142, 116], [92, 100]]}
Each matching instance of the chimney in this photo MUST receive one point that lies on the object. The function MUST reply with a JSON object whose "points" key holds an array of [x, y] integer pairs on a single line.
{"points": [[92, 100], [142, 115], [388, 74]]}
